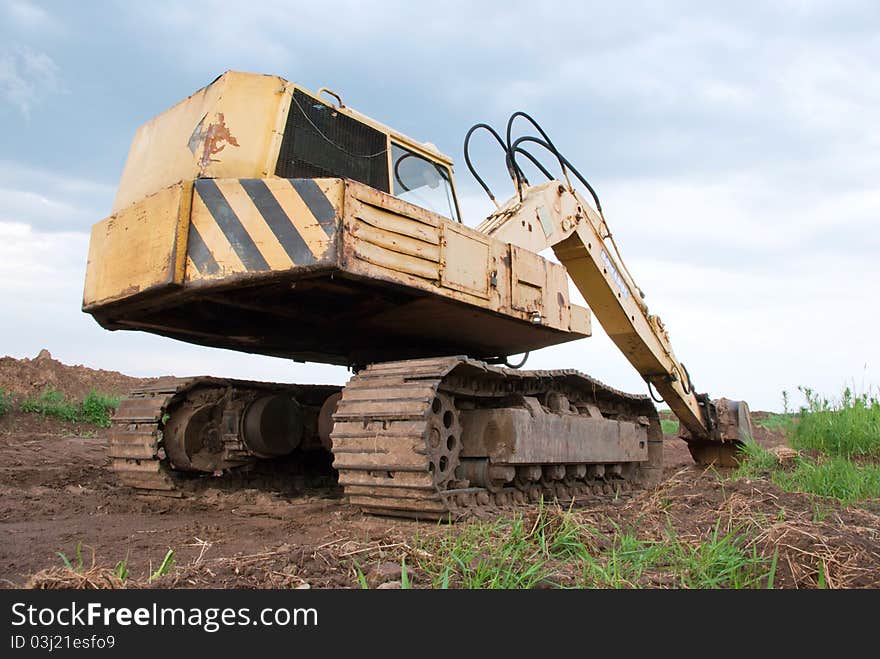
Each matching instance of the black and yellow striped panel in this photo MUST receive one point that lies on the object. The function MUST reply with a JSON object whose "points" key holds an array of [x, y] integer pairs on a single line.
{"points": [[260, 225]]}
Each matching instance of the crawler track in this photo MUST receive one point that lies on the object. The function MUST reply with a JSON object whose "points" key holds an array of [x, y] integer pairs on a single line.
{"points": [[397, 436], [390, 461], [137, 454]]}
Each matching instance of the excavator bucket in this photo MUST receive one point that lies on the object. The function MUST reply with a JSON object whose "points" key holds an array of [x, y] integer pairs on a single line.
{"points": [[732, 428]]}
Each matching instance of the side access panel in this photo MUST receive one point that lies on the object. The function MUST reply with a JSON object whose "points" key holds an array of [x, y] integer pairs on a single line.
{"points": [[139, 250]]}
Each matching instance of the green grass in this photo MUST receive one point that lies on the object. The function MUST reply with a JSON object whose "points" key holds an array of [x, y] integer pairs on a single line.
{"points": [[624, 563], [757, 462], [827, 476], [670, 426], [95, 408], [839, 443], [835, 477], [121, 570], [70, 565], [98, 408], [498, 555], [723, 560], [783, 422], [717, 561], [847, 427], [52, 403], [165, 566], [5, 402], [76, 563], [560, 549]]}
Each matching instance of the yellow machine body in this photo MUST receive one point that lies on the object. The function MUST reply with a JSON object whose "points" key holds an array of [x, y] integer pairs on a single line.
{"points": [[257, 217], [212, 241]]}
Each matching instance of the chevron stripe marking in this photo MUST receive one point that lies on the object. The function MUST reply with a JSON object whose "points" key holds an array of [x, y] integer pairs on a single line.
{"points": [[230, 225]]}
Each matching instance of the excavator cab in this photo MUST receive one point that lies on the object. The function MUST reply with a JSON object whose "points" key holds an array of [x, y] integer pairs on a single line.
{"points": [[323, 140]]}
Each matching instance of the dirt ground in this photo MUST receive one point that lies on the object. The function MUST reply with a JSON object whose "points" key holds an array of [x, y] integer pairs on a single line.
{"points": [[55, 493]]}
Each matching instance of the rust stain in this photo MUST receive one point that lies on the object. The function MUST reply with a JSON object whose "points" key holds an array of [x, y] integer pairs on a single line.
{"points": [[214, 137]]}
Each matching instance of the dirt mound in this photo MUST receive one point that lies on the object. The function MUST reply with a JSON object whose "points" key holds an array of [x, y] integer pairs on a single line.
{"points": [[30, 377]]}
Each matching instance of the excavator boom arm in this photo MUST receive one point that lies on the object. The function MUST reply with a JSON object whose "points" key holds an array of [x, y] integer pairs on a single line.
{"points": [[554, 215]]}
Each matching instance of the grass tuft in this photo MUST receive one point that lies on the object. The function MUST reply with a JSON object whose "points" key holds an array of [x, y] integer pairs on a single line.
{"points": [[78, 567], [5, 402], [847, 427], [501, 554], [757, 461], [670, 426], [95, 409], [624, 562], [558, 548], [776, 422], [829, 435], [835, 477], [52, 403], [718, 561], [121, 570], [165, 567], [98, 408]]}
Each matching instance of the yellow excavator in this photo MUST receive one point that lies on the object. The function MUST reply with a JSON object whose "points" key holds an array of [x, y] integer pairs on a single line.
{"points": [[257, 216]]}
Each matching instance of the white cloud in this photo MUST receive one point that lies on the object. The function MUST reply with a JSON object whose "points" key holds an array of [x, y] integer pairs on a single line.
{"points": [[747, 215], [28, 16], [833, 90], [27, 77], [51, 200]]}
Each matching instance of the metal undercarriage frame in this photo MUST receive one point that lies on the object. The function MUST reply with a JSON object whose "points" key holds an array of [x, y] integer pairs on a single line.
{"points": [[438, 439]]}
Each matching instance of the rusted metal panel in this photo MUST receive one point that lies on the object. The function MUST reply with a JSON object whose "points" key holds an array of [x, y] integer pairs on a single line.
{"points": [[528, 277], [388, 239], [396, 242], [517, 435], [395, 491], [141, 448], [140, 249], [380, 218], [226, 129], [377, 199], [387, 505], [395, 261], [557, 308], [401, 392], [405, 479], [465, 260], [580, 320], [411, 408]]}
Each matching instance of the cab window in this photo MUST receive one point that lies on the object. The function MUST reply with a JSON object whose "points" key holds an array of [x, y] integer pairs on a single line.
{"points": [[422, 182]]}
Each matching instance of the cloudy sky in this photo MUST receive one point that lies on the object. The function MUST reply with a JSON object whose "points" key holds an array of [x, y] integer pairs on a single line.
{"points": [[736, 150]]}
